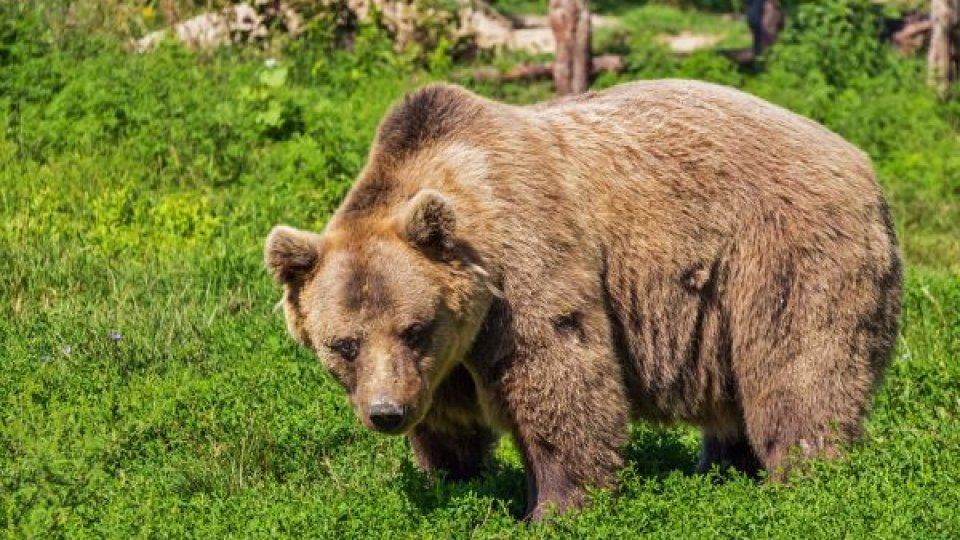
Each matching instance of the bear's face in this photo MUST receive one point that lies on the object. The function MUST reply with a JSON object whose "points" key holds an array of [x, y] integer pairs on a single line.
{"points": [[382, 305]]}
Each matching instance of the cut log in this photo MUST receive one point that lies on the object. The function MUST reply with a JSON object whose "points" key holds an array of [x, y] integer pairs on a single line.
{"points": [[485, 26]]}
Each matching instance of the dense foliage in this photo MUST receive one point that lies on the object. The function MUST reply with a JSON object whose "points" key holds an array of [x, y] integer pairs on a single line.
{"points": [[147, 386]]}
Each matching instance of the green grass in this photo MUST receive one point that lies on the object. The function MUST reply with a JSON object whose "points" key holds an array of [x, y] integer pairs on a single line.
{"points": [[649, 21], [666, 20], [148, 388]]}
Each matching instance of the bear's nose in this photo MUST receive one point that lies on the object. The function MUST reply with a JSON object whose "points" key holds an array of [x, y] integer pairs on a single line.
{"points": [[386, 416]]}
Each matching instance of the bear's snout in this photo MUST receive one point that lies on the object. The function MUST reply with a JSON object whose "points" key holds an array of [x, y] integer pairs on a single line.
{"points": [[387, 416]]}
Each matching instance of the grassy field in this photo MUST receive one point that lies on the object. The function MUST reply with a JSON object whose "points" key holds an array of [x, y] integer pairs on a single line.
{"points": [[148, 388]]}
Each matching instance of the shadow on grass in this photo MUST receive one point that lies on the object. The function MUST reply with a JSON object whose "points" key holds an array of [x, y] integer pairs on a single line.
{"points": [[650, 452], [433, 492], [658, 452]]}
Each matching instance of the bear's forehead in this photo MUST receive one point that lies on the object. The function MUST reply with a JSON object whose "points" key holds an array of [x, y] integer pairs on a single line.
{"points": [[364, 285], [376, 278]]}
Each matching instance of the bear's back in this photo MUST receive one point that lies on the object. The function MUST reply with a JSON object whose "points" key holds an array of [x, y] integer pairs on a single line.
{"points": [[681, 162], [714, 133]]}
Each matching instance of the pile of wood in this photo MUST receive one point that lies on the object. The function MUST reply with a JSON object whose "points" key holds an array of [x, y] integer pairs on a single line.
{"points": [[408, 22], [565, 32], [474, 21], [236, 23]]}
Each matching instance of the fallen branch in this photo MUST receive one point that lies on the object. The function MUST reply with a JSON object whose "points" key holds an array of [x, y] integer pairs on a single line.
{"points": [[601, 64], [912, 36]]}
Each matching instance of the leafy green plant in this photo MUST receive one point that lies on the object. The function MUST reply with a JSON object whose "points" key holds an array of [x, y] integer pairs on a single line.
{"points": [[275, 111], [836, 40]]}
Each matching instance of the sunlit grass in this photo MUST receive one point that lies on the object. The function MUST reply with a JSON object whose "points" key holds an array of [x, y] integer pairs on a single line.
{"points": [[148, 388]]}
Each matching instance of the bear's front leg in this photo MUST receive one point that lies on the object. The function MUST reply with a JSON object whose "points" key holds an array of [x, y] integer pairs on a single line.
{"points": [[454, 437], [567, 404]]}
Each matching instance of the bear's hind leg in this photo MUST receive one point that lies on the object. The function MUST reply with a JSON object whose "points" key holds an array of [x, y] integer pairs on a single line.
{"points": [[811, 340], [806, 396], [786, 428]]}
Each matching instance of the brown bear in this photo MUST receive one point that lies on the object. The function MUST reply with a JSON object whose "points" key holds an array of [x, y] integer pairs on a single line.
{"points": [[668, 250]]}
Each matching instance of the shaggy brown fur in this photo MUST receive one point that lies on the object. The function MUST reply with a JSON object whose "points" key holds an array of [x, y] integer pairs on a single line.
{"points": [[670, 250]]}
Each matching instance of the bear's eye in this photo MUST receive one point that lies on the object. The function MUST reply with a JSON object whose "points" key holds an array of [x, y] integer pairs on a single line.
{"points": [[346, 348], [416, 336]]}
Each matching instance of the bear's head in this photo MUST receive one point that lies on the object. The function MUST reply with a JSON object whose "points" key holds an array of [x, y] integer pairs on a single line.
{"points": [[390, 303]]}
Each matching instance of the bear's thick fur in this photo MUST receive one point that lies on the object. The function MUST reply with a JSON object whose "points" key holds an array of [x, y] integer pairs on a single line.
{"points": [[669, 250]]}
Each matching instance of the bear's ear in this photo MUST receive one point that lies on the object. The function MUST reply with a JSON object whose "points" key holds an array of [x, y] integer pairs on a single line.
{"points": [[429, 222], [290, 254]]}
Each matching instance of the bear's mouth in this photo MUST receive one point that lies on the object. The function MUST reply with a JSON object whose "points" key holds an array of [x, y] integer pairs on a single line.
{"points": [[402, 430]]}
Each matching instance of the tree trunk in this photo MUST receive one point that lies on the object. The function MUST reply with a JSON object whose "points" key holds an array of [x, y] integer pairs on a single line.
{"points": [[570, 22], [765, 18], [944, 55]]}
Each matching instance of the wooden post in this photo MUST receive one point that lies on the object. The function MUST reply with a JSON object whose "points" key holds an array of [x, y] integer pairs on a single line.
{"points": [[570, 22], [943, 60]]}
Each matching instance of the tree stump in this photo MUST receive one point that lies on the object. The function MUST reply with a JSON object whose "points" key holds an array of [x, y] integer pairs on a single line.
{"points": [[570, 22]]}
